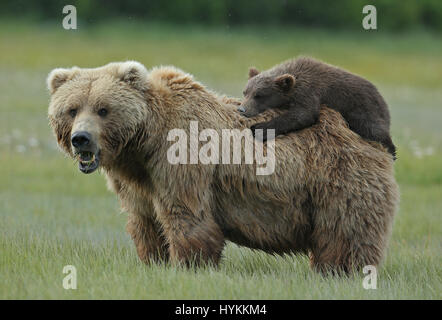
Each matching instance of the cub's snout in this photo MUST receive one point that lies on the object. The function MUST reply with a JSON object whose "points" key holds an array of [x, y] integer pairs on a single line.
{"points": [[248, 109], [241, 109]]}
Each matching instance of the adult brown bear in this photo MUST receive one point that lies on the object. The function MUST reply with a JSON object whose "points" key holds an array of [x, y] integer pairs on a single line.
{"points": [[331, 194]]}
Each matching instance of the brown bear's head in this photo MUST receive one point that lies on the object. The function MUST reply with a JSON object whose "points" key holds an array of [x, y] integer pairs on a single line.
{"points": [[96, 112], [265, 91]]}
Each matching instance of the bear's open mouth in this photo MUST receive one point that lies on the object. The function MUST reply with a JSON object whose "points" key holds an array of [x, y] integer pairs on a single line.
{"points": [[87, 161]]}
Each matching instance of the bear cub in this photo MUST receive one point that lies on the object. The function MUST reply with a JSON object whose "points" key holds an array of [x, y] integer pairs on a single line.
{"points": [[302, 85]]}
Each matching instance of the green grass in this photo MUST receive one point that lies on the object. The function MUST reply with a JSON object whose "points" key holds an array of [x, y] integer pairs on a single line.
{"points": [[51, 215]]}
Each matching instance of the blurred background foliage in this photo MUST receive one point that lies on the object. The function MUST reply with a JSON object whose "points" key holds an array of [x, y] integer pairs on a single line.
{"points": [[341, 14]]}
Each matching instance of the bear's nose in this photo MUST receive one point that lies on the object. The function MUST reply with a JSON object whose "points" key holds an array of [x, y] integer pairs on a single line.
{"points": [[80, 139], [241, 109]]}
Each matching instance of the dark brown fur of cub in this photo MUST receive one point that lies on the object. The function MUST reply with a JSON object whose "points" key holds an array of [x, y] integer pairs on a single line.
{"points": [[302, 85]]}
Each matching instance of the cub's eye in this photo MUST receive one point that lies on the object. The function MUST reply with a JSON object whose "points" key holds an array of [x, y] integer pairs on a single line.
{"points": [[258, 96], [102, 112], [73, 113]]}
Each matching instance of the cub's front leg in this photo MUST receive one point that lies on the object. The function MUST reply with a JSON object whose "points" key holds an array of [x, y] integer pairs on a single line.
{"points": [[299, 116], [262, 135]]}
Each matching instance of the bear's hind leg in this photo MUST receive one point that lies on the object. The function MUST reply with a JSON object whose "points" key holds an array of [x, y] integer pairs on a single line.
{"points": [[341, 257], [343, 249]]}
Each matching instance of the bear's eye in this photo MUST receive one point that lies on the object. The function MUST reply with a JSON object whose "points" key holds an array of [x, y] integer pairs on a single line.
{"points": [[73, 113], [102, 112], [259, 96]]}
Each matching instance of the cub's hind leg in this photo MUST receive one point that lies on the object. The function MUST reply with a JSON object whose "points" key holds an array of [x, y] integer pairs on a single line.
{"points": [[374, 132]]}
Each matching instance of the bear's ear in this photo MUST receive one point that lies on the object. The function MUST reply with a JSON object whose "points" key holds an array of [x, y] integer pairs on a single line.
{"points": [[285, 82], [253, 72], [133, 73], [57, 77]]}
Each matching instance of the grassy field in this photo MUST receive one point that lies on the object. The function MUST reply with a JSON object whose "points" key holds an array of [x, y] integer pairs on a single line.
{"points": [[51, 215]]}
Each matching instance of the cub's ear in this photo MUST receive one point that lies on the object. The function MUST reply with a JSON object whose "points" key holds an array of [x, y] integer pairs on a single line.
{"points": [[253, 72], [285, 82], [133, 73], [59, 76]]}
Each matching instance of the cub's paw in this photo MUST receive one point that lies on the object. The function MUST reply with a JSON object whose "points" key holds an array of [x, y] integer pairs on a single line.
{"points": [[260, 135]]}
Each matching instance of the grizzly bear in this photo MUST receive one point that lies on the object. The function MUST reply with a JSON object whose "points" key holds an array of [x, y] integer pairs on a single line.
{"points": [[331, 195], [300, 86]]}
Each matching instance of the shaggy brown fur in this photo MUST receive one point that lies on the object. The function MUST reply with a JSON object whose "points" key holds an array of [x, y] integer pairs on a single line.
{"points": [[301, 85], [332, 194]]}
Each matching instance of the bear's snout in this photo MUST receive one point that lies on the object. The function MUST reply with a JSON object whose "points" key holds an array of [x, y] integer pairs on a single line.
{"points": [[81, 139], [86, 151]]}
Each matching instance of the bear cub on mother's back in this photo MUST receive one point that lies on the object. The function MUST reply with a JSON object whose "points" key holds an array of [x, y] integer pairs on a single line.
{"points": [[302, 85]]}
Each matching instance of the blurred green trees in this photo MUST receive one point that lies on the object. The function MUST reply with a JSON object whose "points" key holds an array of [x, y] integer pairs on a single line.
{"points": [[394, 15]]}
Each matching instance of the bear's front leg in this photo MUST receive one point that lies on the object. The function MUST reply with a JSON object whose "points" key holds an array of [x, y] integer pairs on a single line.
{"points": [[148, 238], [193, 237]]}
